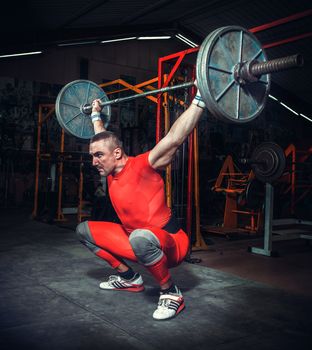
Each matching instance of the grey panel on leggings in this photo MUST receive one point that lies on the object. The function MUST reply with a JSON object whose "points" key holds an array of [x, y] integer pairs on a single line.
{"points": [[146, 246], [85, 237]]}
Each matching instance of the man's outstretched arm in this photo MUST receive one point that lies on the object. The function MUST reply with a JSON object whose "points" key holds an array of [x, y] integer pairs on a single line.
{"points": [[162, 154]]}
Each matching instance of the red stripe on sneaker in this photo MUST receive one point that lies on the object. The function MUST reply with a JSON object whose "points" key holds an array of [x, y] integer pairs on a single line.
{"points": [[181, 307], [131, 289]]}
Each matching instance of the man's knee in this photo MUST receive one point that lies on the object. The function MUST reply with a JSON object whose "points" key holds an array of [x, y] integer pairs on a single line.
{"points": [[84, 235], [146, 246]]}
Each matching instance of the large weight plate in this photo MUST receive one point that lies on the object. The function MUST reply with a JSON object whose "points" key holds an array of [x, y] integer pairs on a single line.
{"points": [[217, 59], [69, 103], [268, 162]]}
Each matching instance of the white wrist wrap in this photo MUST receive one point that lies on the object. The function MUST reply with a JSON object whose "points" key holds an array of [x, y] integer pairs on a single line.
{"points": [[198, 101], [95, 116]]}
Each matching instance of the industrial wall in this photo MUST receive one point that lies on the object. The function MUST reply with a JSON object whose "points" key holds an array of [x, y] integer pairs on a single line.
{"points": [[106, 61]]}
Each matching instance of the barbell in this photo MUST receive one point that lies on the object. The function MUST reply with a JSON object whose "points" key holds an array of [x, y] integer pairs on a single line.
{"points": [[233, 77]]}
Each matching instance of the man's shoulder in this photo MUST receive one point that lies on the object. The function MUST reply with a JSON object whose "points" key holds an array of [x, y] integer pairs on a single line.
{"points": [[142, 157], [141, 160]]}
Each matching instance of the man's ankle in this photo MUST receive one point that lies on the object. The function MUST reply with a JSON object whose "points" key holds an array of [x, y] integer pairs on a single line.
{"points": [[127, 275], [171, 289]]}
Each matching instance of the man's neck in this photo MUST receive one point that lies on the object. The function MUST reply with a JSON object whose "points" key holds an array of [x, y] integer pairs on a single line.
{"points": [[121, 164]]}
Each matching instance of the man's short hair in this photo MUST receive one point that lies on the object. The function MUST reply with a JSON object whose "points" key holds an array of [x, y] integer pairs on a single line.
{"points": [[108, 137]]}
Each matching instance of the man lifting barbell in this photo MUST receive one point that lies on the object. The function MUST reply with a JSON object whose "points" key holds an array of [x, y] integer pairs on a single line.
{"points": [[149, 233], [234, 91]]}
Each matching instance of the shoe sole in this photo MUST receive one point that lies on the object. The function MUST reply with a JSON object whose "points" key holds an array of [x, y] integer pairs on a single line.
{"points": [[132, 290]]}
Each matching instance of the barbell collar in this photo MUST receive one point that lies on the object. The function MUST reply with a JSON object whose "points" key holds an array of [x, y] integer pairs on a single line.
{"points": [[87, 108]]}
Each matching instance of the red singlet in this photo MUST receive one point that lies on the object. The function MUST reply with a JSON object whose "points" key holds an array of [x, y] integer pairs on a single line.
{"points": [[137, 194]]}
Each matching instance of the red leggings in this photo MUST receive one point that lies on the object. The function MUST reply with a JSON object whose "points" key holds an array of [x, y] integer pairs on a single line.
{"points": [[114, 245]]}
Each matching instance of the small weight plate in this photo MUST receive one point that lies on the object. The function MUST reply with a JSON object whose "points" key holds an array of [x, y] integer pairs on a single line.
{"points": [[69, 103]]}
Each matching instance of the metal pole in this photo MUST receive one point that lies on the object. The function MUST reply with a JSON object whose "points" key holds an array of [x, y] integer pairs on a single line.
{"points": [[268, 218], [80, 191], [268, 221], [87, 108], [60, 215], [199, 241], [35, 210], [168, 168], [159, 104], [189, 187]]}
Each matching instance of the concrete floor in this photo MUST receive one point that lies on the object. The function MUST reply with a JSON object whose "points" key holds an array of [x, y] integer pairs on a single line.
{"points": [[50, 297], [290, 270]]}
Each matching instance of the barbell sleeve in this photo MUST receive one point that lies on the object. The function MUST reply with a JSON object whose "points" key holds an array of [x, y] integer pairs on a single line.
{"points": [[250, 71], [277, 65], [87, 109]]}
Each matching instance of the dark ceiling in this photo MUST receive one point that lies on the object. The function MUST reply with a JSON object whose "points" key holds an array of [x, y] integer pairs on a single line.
{"points": [[41, 24]]}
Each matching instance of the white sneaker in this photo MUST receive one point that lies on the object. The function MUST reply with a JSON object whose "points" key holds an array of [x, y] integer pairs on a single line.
{"points": [[118, 283], [169, 305]]}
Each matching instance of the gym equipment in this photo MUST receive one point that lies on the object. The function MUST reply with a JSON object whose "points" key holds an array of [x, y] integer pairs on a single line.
{"points": [[232, 73], [268, 162], [232, 77], [242, 211], [69, 107], [274, 229]]}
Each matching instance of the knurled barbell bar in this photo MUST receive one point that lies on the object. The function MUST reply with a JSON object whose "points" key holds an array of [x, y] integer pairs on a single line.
{"points": [[232, 73]]}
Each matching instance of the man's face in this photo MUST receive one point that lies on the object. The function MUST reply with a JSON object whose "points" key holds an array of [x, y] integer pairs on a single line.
{"points": [[103, 158]]}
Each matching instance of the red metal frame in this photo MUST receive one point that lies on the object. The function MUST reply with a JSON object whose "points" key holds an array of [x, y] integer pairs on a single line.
{"points": [[281, 21], [179, 56], [288, 40], [297, 191]]}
